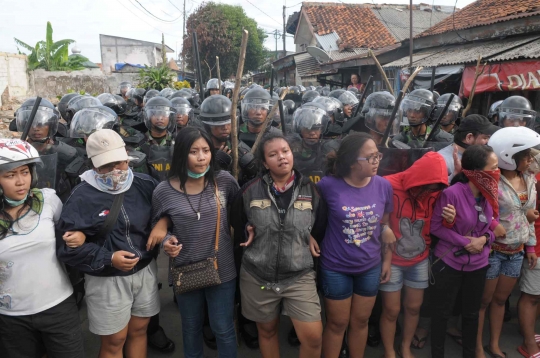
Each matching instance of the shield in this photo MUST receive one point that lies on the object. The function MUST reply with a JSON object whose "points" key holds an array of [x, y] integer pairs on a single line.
{"points": [[160, 158], [397, 160], [47, 172]]}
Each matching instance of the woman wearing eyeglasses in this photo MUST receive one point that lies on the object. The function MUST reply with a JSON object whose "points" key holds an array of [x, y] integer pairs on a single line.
{"points": [[517, 210], [354, 258], [460, 258]]}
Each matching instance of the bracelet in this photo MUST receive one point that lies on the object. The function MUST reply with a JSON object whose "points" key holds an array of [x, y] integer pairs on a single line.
{"points": [[112, 259]]}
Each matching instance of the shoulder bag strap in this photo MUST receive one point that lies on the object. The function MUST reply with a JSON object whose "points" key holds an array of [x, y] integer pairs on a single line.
{"points": [[218, 224], [111, 218]]}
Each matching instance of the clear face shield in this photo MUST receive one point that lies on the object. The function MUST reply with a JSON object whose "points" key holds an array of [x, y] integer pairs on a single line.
{"points": [[511, 117], [78, 103], [451, 114], [181, 117], [310, 123], [89, 120], [123, 88], [378, 119], [414, 113], [45, 123], [158, 117], [255, 110]]}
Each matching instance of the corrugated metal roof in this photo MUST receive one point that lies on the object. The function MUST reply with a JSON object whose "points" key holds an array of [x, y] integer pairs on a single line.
{"points": [[328, 42], [530, 50], [397, 21], [341, 55], [460, 54]]}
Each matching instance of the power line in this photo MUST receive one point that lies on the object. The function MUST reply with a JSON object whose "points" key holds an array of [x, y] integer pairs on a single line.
{"points": [[280, 24], [454, 24], [155, 28], [286, 7], [382, 18], [181, 10], [160, 19]]}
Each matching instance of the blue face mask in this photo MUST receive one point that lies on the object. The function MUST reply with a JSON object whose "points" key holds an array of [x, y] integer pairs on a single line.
{"points": [[197, 176], [15, 203]]}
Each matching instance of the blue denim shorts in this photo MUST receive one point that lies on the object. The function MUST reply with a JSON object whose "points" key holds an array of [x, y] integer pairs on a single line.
{"points": [[503, 264], [415, 276], [340, 286]]}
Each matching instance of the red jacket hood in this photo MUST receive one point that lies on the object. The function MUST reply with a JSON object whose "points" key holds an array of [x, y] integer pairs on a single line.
{"points": [[430, 169]]}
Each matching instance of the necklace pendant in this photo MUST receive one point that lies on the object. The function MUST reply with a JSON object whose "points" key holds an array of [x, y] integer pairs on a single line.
{"points": [[198, 216]]}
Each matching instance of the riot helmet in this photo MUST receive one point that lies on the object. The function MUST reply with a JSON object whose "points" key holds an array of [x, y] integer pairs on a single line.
{"points": [[325, 91], [255, 106], [332, 108], [516, 111], [62, 105], [136, 94], [123, 88], [350, 102], [354, 91], [166, 92], [77, 103], [88, 120], [150, 94], [302, 89], [310, 122], [309, 96], [45, 124], [454, 110], [114, 102], [417, 107], [377, 112], [212, 87], [183, 109], [216, 110], [289, 106], [336, 93], [436, 96], [157, 115], [494, 111], [228, 89]]}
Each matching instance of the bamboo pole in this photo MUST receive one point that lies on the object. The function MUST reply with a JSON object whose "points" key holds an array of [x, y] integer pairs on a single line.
{"points": [[381, 71], [218, 73], [473, 88], [234, 122]]}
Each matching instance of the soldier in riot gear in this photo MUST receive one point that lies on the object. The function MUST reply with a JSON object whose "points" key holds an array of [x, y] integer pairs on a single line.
{"points": [[77, 103], [452, 117], [167, 92], [294, 94], [415, 112], [350, 102], [149, 95], [182, 114], [62, 105], [114, 102], [493, 114], [123, 89], [255, 106], [212, 87], [288, 110], [309, 96], [336, 93], [377, 112], [335, 113], [516, 111]]}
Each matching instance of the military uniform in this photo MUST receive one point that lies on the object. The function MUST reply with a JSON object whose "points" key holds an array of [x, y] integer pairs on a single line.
{"points": [[158, 156], [310, 160], [249, 138], [440, 140]]}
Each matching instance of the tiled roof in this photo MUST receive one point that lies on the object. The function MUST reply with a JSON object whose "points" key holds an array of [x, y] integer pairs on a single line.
{"points": [[356, 25], [485, 12]]}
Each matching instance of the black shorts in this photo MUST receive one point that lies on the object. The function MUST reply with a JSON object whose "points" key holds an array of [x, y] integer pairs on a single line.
{"points": [[55, 332]]}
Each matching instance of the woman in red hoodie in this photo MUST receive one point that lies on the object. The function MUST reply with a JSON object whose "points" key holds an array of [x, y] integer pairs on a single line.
{"points": [[415, 192]]}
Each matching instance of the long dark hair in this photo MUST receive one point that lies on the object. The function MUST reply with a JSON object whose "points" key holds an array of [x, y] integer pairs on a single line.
{"points": [[339, 163], [183, 142], [259, 155], [475, 157], [4, 205]]}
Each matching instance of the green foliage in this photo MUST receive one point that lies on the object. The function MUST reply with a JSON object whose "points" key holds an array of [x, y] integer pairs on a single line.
{"points": [[156, 77], [49, 55], [219, 33]]}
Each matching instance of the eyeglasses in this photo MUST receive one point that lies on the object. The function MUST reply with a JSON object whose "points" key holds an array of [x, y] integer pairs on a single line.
{"points": [[372, 159], [481, 216]]}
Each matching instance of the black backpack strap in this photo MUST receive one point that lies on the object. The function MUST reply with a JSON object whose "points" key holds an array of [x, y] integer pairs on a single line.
{"points": [[110, 220]]}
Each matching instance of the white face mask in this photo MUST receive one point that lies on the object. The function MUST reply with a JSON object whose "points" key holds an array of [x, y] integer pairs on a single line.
{"points": [[113, 180]]}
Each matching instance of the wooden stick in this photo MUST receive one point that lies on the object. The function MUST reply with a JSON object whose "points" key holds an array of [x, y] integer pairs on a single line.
{"points": [[381, 71], [473, 88], [411, 78], [267, 123], [218, 73], [234, 122]]}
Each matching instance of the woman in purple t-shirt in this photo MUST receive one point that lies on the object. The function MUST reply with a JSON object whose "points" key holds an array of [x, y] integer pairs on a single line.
{"points": [[354, 257]]}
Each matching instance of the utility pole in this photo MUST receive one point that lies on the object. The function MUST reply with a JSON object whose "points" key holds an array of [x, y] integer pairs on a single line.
{"points": [[411, 36], [284, 32], [183, 39], [163, 53]]}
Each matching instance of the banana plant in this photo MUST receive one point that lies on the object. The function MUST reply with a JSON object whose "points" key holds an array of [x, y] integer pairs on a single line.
{"points": [[157, 78], [50, 55]]}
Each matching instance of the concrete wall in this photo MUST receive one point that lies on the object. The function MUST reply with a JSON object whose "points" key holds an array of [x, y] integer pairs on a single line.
{"points": [[13, 76], [119, 50]]}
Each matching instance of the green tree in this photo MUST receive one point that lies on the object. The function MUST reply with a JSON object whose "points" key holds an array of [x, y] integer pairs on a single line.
{"points": [[156, 77], [50, 55], [219, 33]]}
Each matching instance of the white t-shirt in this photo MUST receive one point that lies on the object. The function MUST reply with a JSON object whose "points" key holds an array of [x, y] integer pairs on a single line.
{"points": [[32, 279]]}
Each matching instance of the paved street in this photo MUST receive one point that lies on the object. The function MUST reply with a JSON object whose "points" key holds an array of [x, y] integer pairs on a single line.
{"points": [[170, 321]]}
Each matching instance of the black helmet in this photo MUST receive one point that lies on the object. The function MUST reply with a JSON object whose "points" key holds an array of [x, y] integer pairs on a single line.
{"points": [[62, 105], [79, 102], [150, 94], [309, 96], [436, 96], [123, 88], [294, 90], [349, 99], [454, 110], [182, 107], [46, 115], [136, 94], [157, 114], [516, 111], [258, 103], [324, 91], [417, 107], [377, 111], [336, 93], [166, 92], [114, 102], [216, 110], [310, 117], [289, 106], [354, 90], [494, 110], [332, 107], [181, 94], [90, 119]]}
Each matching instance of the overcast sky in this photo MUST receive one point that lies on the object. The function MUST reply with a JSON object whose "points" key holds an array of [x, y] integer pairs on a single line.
{"points": [[84, 20]]}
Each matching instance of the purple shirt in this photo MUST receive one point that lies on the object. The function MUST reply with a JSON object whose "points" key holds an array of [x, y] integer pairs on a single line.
{"points": [[351, 242]]}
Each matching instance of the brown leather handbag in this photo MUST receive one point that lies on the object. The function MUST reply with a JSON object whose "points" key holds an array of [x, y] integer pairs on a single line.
{"points": [[201, 274]]}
